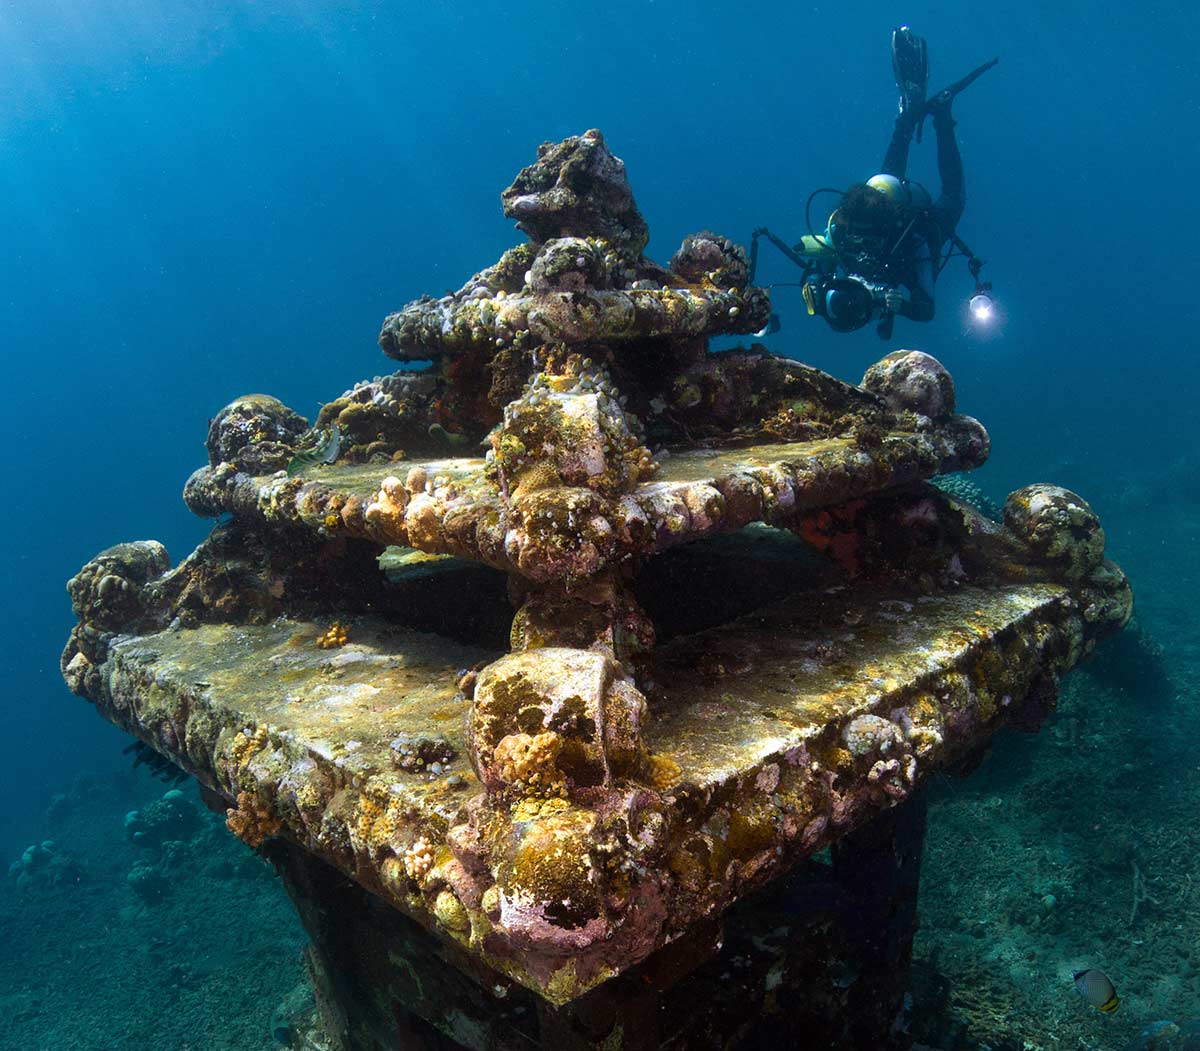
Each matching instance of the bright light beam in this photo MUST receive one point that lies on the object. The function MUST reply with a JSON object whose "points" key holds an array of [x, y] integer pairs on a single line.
{"points": [[983, 310]]}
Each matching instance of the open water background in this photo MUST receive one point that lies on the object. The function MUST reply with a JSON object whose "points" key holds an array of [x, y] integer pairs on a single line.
{"points": [[203, 198]]}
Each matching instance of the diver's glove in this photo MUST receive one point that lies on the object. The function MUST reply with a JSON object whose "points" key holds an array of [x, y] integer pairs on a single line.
{"points": [[938, 108]]}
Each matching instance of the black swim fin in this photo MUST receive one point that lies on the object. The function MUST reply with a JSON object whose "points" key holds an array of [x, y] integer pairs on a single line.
{"points": [[946, 95], [910, 63]]}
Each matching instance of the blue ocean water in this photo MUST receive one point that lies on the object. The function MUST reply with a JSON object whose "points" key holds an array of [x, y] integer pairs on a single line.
{"points": [[203, 198]]}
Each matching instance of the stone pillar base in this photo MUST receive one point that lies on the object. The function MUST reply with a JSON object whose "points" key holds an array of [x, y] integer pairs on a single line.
{"points": [[816, 960]]}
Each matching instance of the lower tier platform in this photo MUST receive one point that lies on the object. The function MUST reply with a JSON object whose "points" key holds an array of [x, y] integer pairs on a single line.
{"points": [[770, 738]]}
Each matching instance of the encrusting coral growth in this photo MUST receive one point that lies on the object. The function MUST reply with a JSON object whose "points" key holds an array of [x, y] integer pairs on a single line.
{"points": [[662, 772], [334, 636], [563, 810], [252, 821], [418, 859], [529, 765], [247, 744]]}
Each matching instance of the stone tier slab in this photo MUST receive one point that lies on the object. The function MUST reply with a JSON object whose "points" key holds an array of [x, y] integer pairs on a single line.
{"points": [[448, 506], [771, 737], [431, 328]]}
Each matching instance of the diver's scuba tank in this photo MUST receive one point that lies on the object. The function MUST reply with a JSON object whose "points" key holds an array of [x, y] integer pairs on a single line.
{"points": [[905, 192]]}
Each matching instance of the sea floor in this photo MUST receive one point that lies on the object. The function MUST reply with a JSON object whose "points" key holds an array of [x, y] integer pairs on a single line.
{"points": [[1078, 847], [196, 957], [1045, 862]]}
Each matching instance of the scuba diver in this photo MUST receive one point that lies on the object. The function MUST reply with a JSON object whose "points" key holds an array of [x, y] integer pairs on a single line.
{"points": [[886, 242]]}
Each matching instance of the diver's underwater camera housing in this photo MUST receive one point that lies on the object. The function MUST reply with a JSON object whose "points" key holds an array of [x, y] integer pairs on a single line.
{"points": [[847, 303]]}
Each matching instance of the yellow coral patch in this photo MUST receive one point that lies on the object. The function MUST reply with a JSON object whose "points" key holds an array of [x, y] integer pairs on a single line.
{"points": [[246, 746], [450, 912], [335, 636], [529, 763], [377, 822], [662, 772], [530, 808], [563, 984], [308, 795], [541, 475]]}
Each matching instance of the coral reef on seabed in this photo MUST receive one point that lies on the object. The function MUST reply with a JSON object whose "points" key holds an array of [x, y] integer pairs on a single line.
{"points": [[95, 964], [43, 864]]}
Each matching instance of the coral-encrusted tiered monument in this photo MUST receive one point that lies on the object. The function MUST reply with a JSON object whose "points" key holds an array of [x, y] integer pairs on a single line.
{"points": [[746, 628]]}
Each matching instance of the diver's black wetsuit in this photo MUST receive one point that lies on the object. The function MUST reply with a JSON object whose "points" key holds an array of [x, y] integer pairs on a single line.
{"points": [[919, 270]]}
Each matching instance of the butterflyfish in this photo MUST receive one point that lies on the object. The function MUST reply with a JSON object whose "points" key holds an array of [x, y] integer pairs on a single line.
{"points": [[1097, 990]]}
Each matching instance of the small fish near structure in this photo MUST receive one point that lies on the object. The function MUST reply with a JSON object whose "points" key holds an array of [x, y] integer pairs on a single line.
{"points": [[158, 765], [1094, 986], [325, 451]]}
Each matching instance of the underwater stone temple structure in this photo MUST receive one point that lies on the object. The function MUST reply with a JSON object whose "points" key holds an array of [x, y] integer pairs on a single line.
{"points": [[545, 668]]}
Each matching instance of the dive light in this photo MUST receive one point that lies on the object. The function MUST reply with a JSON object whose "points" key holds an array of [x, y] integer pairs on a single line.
{"points": [[983, 309]]}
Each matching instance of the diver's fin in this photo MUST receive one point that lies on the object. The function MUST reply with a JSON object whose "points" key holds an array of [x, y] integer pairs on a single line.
{"points": [[939, 104], [910, 63], [946, 95]]}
